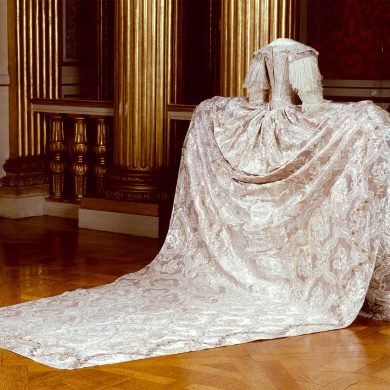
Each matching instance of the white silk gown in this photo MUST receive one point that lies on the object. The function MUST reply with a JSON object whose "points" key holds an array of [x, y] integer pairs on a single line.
{"points": [[280, 227]]}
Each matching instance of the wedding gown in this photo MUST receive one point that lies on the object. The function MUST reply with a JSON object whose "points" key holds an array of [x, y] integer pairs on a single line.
{"points": [[280, 227]]}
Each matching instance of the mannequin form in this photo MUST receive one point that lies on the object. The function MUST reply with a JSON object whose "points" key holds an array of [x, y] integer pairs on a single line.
{"points": [[283, 42]]}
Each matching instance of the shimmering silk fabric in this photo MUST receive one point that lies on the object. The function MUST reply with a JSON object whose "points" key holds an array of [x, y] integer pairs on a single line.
{"points": [[280, 227]]}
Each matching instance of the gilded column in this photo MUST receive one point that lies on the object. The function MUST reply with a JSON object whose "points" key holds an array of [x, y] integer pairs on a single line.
{"points": [[142, 52], [247, 25], [34, 73]]}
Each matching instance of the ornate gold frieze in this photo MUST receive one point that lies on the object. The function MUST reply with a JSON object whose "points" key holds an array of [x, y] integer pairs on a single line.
{"points": [[134, 185], [24, 171], [138, 196]]}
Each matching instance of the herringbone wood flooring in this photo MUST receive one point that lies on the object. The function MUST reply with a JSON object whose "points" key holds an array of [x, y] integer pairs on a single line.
{"points": [[45, 256]]}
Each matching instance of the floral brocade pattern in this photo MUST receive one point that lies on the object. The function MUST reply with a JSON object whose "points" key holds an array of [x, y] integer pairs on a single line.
{"points": [[280, 227]]}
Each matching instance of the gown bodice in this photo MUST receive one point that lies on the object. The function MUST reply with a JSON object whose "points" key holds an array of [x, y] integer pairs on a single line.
{"points": [[282, 72], [276, 62]]}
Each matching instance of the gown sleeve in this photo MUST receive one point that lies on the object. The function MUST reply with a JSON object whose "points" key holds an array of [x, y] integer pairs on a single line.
{"points": [[256, 80], [306, 78]]}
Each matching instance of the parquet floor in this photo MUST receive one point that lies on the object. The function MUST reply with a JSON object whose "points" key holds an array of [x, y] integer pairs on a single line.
{"points": [[45, 256]]}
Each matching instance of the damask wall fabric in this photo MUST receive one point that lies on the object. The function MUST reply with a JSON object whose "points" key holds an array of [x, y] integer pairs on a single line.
{"points": [[357, 38], [280, 227]]}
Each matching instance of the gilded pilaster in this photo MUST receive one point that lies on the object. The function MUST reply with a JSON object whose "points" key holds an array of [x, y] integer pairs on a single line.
{"points": [[142, 39], [37, 70], [34, 73], [247, 25]]}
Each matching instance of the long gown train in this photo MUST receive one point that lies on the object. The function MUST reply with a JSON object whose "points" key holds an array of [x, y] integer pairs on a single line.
{"points": [[280, 223]]}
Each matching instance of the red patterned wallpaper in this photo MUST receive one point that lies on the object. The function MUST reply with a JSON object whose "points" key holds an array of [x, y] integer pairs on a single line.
{"points": [[350, 34], [386, 39], [80, 31]]}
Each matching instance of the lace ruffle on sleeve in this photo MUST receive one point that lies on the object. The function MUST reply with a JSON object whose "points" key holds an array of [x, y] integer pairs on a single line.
{"points": [[306, 78], [256, 80]]}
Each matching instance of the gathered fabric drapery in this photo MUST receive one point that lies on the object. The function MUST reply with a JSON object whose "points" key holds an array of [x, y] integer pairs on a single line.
{"points": [[280, 227]]}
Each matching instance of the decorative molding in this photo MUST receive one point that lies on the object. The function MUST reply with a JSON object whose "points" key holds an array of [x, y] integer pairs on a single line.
{"points": [[180, 115], [352, 83], [24, 171], [24, 180], [24, 191], [73, 110], [75, 107], [376, 90], [363, 93], [138, 196], [139, 186], [181, 107], [130, 177]]}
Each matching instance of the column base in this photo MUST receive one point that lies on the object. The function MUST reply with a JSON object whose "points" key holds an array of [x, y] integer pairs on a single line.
{"points": [[23, 202], [139, 186], [24, 189]]}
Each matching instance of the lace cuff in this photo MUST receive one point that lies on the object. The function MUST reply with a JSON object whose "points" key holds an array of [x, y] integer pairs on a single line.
{"points": [[311, 99]]}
